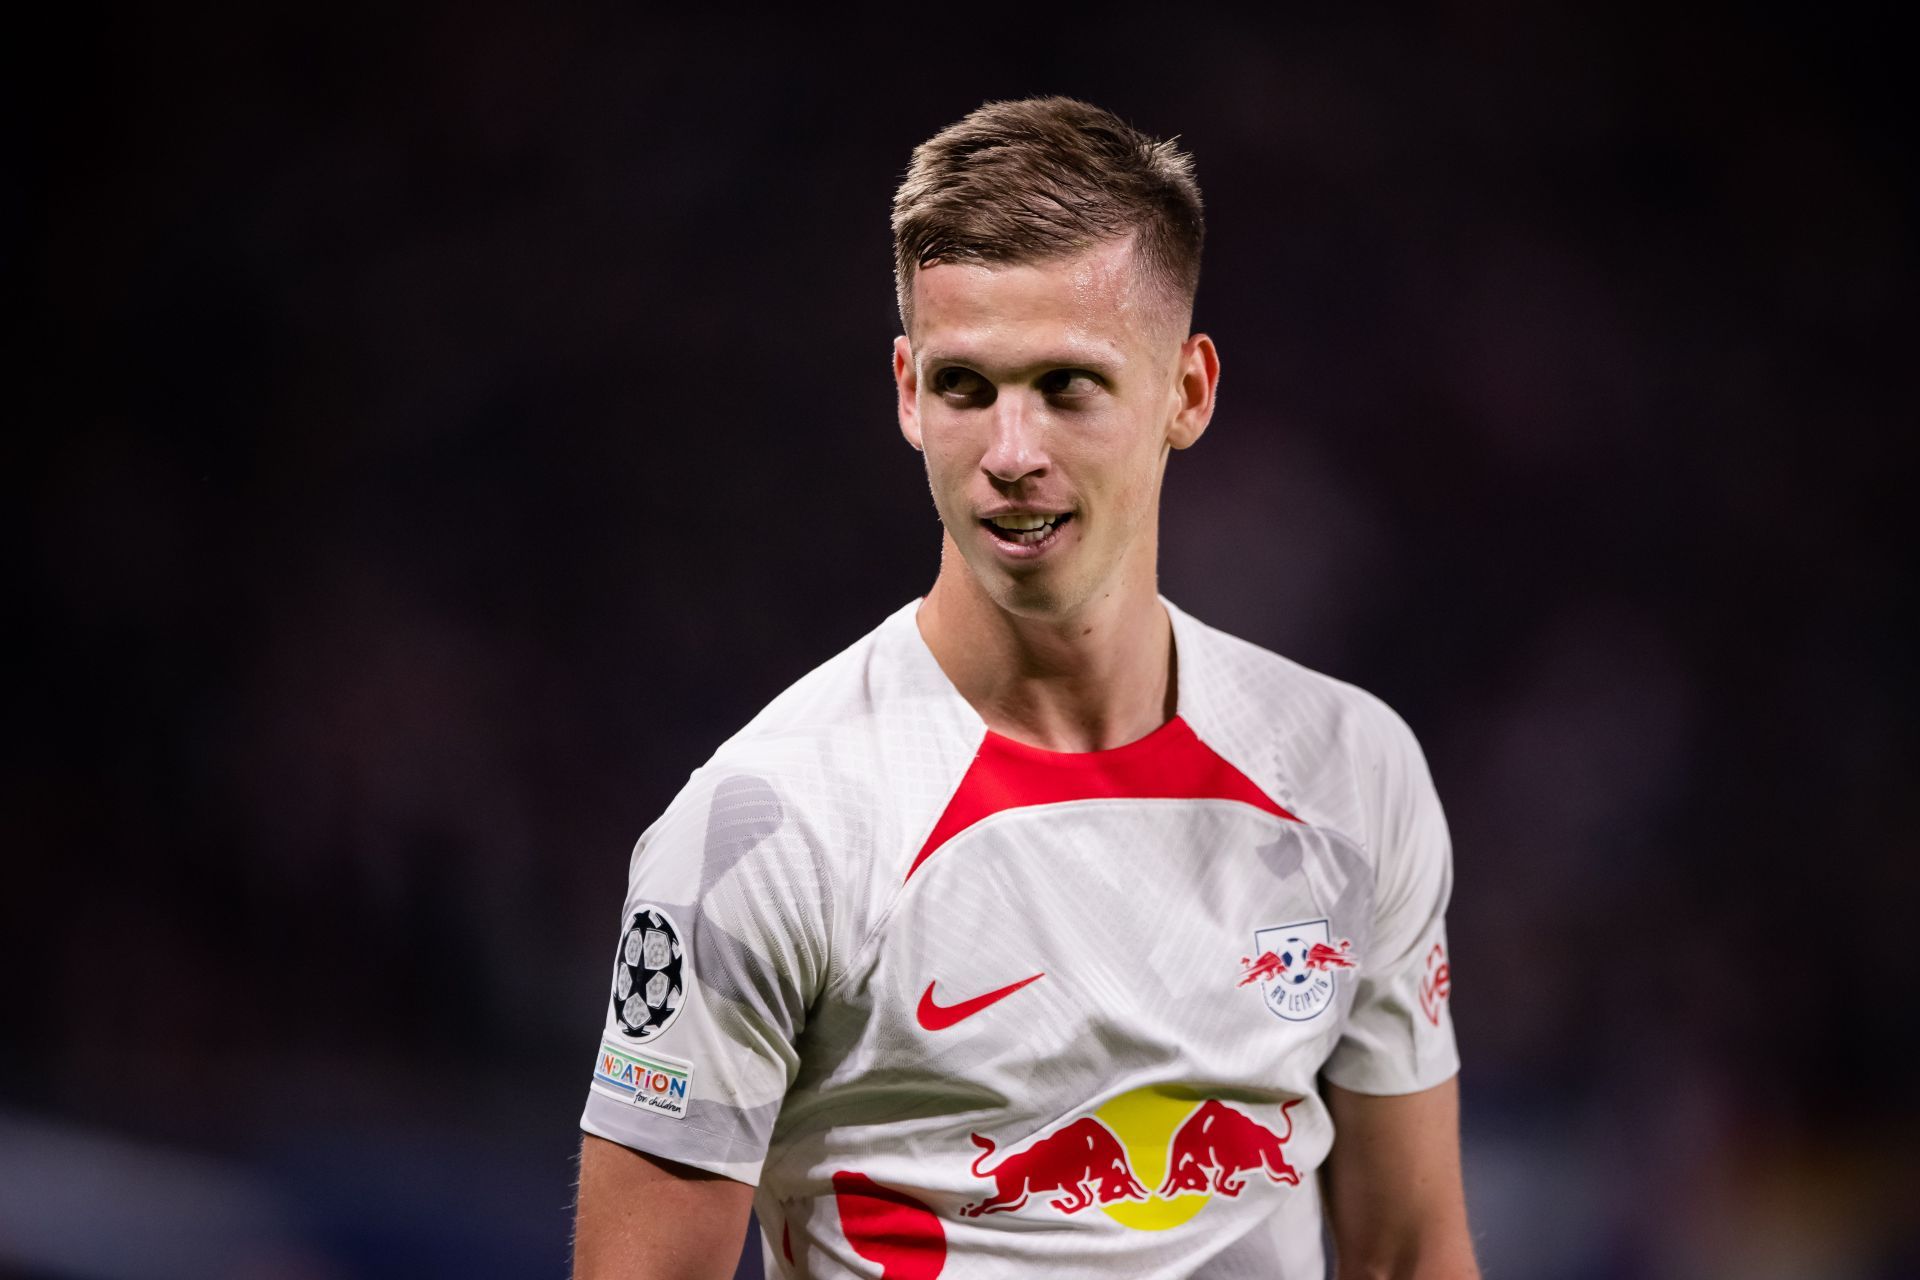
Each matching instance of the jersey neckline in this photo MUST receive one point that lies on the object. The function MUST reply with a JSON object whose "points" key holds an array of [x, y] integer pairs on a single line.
{"points": [[1183, 655], [1170, 762]]}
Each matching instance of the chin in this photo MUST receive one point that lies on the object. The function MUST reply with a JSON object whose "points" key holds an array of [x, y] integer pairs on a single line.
{"points": [[1040, 596]]}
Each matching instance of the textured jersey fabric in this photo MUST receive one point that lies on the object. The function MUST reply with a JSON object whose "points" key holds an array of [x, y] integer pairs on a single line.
{"points": [[959, 1006]]}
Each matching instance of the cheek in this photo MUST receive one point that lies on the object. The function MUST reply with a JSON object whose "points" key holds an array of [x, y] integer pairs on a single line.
{"points": [[1124, 470], [949, 450], [1132, 501], [948, 474], [945, 464]]}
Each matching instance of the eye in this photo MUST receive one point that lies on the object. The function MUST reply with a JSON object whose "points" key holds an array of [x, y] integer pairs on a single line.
{"points": [[1070, 384], [958, 383]]}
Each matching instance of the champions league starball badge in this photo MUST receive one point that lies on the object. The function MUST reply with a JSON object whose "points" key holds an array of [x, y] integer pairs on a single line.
{"points": [[649, 975]]}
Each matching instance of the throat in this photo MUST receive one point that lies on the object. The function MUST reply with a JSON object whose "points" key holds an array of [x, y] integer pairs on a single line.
{"points": [[1077, 686]]}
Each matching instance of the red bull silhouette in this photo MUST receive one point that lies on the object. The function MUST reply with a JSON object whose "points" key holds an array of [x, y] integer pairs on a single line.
{"points": [[1323, 957], [1084, 1162], [1219, 1145], [1264, 965]]}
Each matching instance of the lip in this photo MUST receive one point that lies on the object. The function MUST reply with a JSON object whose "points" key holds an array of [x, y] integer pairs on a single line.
{"points": [[1048, 512], [1020, 552]]}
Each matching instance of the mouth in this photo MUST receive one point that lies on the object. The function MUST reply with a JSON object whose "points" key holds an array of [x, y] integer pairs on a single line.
{"points": [[1026, 529]]}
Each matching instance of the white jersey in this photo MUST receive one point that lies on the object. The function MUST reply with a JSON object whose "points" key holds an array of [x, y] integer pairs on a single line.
{"points": [[959, 1006]]}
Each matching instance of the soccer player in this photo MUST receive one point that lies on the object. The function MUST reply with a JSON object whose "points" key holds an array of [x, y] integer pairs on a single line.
{"points": [[1046, 930]]}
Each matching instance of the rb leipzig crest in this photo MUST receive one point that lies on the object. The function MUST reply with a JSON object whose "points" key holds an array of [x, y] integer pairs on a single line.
{"points": [[1297, 967]]}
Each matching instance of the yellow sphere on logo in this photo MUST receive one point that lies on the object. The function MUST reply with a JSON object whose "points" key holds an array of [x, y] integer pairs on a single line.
{"points": [[1145, 1120]]}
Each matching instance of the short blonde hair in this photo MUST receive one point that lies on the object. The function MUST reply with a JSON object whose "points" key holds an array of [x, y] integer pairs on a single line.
{"points": [[1042, 178]]}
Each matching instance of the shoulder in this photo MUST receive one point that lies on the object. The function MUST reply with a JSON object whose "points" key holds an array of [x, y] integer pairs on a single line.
{"points": [[847, 716], [845, 760], [1334, 753], [1280, 691]]}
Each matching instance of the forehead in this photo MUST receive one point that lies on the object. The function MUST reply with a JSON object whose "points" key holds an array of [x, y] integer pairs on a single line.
{"points": [[1096, 299]]}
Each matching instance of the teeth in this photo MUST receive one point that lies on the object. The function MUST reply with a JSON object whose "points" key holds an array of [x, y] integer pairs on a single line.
{"points": [[1019, 523]]}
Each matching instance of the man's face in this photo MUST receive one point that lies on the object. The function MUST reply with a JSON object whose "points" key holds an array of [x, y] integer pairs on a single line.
{"points": [[1045, 397]]}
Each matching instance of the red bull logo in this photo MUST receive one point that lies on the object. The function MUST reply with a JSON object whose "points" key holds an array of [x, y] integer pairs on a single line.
{"points": [[1323, 957], [1295, 965], [1217, 1146], [1188, 1148], [1260, 968], [1083, 1162]]}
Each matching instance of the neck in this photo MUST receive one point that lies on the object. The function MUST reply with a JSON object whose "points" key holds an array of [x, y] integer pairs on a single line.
{"points": [[1099, 677]]}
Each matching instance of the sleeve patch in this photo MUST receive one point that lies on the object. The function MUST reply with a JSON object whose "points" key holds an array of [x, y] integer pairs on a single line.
{"points": [[649, 1080], [650, 975]]}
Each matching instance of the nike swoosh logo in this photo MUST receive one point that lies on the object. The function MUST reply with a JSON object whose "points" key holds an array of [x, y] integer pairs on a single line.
{"points": [[938, 1017]]}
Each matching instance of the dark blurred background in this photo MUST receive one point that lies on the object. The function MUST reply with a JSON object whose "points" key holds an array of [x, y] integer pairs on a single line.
{"points": [[443, 428]]}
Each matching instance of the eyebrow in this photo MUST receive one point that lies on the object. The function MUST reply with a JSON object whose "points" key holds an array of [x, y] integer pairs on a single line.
{"points": [[1095, 360]]}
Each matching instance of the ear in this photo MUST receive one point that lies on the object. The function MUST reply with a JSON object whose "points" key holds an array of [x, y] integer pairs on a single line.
{"points": [[906, 383], [1196, 376]]}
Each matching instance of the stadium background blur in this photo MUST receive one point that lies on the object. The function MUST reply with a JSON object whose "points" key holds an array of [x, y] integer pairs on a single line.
{"points": [[444, 428]]}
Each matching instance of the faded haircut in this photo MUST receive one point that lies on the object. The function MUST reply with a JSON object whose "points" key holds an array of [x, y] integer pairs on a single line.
{"points": [[1044, 178]]}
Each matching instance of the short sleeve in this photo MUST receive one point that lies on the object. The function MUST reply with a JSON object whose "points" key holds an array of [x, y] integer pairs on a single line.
{"points": [[721, 948], [1399, 1034]]}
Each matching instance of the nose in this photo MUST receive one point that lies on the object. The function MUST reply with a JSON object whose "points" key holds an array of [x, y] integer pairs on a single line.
{"points": [[1016, 449]]}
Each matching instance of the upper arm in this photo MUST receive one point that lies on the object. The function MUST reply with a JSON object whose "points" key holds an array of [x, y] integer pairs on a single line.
{"points": [[1395, 1202], [1394, 1197], [1398, 1034], [723, 944], [642, 1217]]}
